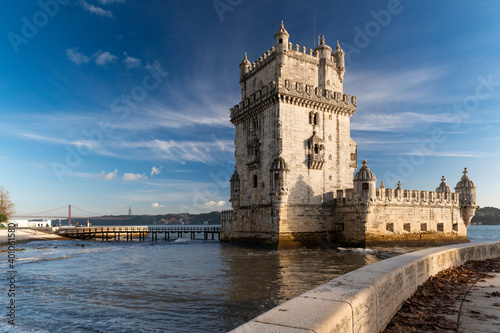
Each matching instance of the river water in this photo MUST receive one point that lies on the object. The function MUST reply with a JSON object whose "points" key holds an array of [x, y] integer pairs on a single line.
{"points": [[177, 286]]}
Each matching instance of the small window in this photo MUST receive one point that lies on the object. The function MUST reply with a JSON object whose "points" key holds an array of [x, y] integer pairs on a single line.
{"points": [[455, 226], [423, 226], [440, 227], [310, 117], [255, 181], [315, 119], [365, 186], [281, 40], [353, 157], [407, 227], [276, 176], [389, 227], [316, 149]]}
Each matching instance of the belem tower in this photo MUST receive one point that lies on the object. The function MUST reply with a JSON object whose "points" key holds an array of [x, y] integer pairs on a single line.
{"points": [[293, 182]]}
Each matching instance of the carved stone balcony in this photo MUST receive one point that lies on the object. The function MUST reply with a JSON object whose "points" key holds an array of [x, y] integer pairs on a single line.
{"points": [[316, 161]]}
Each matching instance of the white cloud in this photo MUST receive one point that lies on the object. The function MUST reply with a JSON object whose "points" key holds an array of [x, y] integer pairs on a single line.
{"points": [[95, 10], [156, 171], [131, 62], [213, 204], [156, 205], [132, 177], [77, 57], [106, 176], [103, 58], [205, 152]]}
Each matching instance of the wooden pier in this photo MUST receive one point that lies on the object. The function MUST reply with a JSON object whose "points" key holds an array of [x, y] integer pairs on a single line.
{"points": [[139, 233]]}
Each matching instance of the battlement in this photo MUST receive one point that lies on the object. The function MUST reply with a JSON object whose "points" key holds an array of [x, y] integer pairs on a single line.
{"points": [[261, 61], [301, 53], [389, 196], [297, 93]]}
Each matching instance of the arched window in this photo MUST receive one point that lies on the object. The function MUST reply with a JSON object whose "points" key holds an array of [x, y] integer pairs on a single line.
{"points": [[316, 149], [310, 117], [254, 181], [315, 119], [255, 125]]}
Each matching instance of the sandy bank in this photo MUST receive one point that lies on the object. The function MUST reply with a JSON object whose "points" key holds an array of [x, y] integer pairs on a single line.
{"points": [[26, 235]]}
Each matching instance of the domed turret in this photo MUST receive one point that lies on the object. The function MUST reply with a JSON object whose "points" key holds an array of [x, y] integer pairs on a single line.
{"points": [[467, 191], [324, 51], [365, 183], [364, 173], [338, 57], [245, 66], [443, 187], [235, 188], [281, 38], [279, 164], [465, 182], [279, 170]]}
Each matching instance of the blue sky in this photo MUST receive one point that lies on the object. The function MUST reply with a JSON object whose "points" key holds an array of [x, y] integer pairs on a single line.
{"points": [[107, 104]]}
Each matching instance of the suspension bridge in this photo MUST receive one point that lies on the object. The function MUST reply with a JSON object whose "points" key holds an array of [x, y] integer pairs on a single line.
{"points": [[53, 215]]}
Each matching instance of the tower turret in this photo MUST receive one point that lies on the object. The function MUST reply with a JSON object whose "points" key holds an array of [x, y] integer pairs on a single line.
{"points": [[324, 51], [443, 187], [338, 57], [467, 190], [235, 188], [281, 38], [365, 184], [245, 66]]}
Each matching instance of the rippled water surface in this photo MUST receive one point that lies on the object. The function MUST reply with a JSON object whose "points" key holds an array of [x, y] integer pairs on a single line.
{"points": [[176, 286]]}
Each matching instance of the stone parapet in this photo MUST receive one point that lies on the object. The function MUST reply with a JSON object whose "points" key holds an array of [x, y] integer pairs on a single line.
{"points": [[366, 299], [347, 197]]}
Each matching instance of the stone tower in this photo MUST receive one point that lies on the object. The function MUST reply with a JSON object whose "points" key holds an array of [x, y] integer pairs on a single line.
{"points": [[293, 147]]}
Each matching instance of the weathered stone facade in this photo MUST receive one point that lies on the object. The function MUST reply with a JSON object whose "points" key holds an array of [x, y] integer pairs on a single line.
{"points": [[295, 158]]}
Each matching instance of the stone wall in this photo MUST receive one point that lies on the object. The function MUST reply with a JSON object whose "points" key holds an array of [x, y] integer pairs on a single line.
{"points": [[365, 300]]}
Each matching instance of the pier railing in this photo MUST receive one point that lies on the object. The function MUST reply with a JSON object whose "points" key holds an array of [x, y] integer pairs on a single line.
{"points": [[131, 233]]}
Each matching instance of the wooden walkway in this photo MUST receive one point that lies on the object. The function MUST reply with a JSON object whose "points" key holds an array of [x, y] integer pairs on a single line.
{"points": [[139, 233]]}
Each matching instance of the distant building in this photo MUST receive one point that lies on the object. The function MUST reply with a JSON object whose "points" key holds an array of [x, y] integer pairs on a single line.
{"points": [[33, 223], [294, 185], [130, 211]]}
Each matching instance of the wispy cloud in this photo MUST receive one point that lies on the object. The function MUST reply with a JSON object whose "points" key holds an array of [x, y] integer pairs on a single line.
{"points": [[192, 151], [77, 57], [131, 62], [132, 177], [156, 171], [382, 87], [95, 9], [102, 58], [106, 176], [386, 122], [107, 2]]}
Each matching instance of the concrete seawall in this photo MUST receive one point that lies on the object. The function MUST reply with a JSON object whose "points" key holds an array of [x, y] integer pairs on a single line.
{"points": [[365, 300]]}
